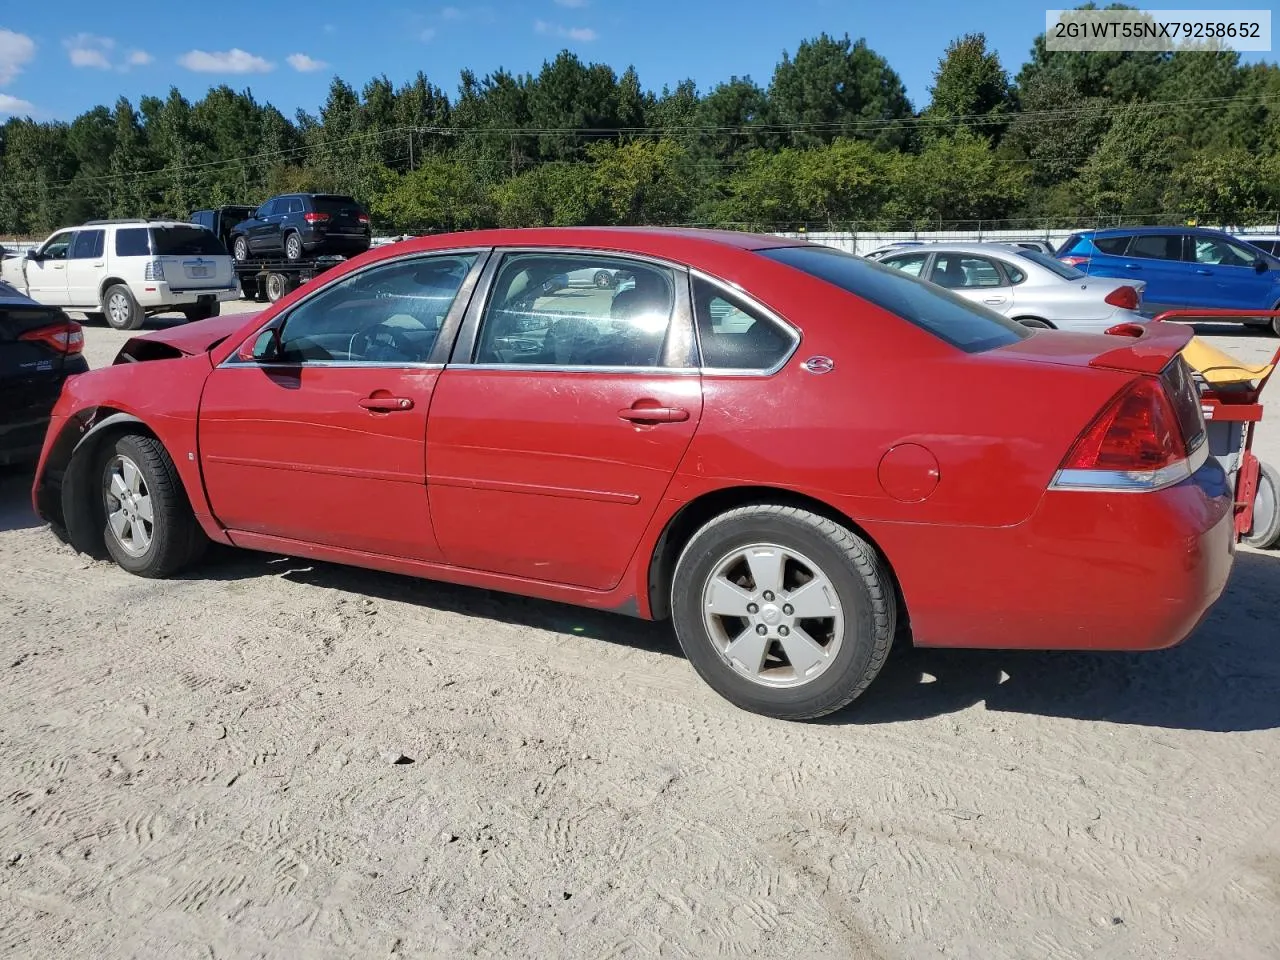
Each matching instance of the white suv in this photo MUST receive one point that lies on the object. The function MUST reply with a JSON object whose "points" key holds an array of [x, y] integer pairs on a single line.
{"points": [[124, 270]]}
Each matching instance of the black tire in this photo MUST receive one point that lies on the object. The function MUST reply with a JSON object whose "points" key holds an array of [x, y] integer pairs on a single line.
{"points": [[1035, 323], [293, 251], [1265, 532], [121, 309], [856, 574], [202, 312], [603, 279], [279, 286], [175, 538], [240, 249]]}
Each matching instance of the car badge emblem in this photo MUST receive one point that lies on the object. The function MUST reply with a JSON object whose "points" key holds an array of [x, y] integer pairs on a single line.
{"points": [[819, 364]]}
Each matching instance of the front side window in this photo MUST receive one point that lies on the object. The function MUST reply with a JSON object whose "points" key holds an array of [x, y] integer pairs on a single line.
{"points": [[733, 335], [911, 263], [133, 242], [1221, 252], [1157, 246], [57, 246], [544, 310], [947, 316], [88, 244], [962, 271], [390, 314]]}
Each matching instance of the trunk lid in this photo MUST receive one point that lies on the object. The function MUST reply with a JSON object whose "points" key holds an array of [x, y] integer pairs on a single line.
{"points": [[1149, 352], [192, 258], [344, 213]]}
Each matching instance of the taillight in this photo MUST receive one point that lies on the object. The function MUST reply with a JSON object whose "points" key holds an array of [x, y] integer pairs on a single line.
{"points": [[1126, 298], [315, 217], [1074, 261], [65, 337], [154, 270], [362, 218], [1136, 444]]}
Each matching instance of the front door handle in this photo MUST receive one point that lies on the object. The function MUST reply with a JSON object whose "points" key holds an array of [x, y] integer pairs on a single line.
{"points": [[1132, 266], [994, 300], [654, 414], [1205, 273], [386, 404]]}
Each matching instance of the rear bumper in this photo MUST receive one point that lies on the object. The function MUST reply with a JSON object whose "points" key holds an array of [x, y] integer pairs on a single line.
{"points": [[162, 294], [1087, 571], [24, 420]]}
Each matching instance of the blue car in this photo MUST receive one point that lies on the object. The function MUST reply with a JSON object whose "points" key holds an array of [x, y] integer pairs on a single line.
{"points": [[1184, 268]]}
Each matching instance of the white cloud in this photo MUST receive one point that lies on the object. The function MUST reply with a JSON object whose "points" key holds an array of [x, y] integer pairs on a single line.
{"points": [[14, 106], [427, 35], [451, 13], [88, 50], [581, 34], [234, 60], [572, 4], [304, 64], [16, 51], [139, 58], [330, 28]]}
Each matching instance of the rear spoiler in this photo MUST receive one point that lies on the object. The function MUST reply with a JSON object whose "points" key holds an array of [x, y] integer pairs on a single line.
{"points": [[1149, 349]]}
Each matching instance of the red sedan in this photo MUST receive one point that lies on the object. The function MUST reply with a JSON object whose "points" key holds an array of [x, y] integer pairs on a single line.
{"points": [[793, 453]]}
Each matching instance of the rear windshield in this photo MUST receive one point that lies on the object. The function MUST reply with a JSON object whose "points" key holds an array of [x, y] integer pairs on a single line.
{"points": [[948, 317], [185, 242], [335, 205], [1065, 271]]}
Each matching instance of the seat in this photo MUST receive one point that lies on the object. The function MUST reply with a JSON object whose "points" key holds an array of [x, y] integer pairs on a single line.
{"points": [[951, 275]]}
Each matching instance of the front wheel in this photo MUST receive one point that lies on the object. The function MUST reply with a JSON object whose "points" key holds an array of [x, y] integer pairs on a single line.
{"points": [[1265, 531], [783, 612], [150, 529]]}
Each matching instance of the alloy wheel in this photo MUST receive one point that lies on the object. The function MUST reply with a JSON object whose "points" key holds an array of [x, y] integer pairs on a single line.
{"points": [[130, 515]]}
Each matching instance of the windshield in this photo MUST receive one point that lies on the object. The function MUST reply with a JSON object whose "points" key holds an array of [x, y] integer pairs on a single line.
{"points": [[185, 242], [947, 316], [1064, 270]]}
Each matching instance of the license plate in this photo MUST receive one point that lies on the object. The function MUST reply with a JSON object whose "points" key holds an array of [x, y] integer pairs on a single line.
{"points": [[200, 272]]}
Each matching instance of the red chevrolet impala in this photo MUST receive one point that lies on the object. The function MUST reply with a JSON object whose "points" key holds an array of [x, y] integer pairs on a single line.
{"points": [[793, 453]]}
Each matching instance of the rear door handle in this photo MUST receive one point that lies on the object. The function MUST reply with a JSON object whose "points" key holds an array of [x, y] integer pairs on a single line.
{"points": [[994, 300], [386, 404], [1205, 273], [1132, 266], [654, 414]]}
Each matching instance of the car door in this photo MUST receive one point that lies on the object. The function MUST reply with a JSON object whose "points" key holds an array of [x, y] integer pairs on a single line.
{"points": [[974, 277], [314, 430], [86, 261], [1229, 276], [1157, 258], [562, 417], [46, 273], [264, 230]]}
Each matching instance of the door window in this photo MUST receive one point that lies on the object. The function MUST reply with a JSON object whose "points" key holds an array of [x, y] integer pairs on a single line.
{"points": [[389, 314], [958, 271], [56, 247], [1221, 252], [1157, 246], [88, 245], [295, 205], [267, 209], [734, 335], [545, 310], [1112, 246], [911, 263]]}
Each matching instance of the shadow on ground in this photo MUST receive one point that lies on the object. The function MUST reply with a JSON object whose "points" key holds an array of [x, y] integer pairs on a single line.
{"points": [[1226, 677]]}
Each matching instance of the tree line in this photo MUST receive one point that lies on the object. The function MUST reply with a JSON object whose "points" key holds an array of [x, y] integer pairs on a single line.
{"points": [[831, 141]]}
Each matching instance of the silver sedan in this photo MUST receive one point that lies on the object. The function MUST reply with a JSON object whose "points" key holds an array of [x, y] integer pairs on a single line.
{"points": [[1024, 285]]}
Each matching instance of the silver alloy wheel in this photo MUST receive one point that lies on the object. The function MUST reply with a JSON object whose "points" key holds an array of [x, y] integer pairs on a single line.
{"points": [[293, 247], [241, 248], [119, 308], [773, 615], [1264, 505], [129, 512]]}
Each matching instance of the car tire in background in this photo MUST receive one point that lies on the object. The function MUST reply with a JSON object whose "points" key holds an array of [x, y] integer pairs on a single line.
{"points": [[240, 249], [279, 286], [603, 279], [121, 308], [150, 529], [1265, 532], [293, 247], [783, 612], [1035, 322]]}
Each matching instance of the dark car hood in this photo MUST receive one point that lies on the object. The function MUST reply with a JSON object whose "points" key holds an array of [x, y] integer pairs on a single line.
{"points": [[199, 336]]}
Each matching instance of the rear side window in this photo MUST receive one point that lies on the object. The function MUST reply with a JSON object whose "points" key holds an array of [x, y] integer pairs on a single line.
{"points": [[185, 242], [88, 244], [295, 205], [133, 242], [733, 335], [1157, 246], [947, 316]]}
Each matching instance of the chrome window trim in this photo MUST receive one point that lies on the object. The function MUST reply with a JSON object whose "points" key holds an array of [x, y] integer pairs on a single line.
{"points": [[737, 293], [1131, 481], [334, 364], [448, 326], [680, 327]]}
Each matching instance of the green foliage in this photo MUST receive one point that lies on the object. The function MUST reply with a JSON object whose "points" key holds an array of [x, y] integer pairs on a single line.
{"points": [[831, 141]]}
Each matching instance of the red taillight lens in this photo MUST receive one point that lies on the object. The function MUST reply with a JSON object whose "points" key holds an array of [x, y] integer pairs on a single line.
{"points": [[362, 218], [1138, 431], [315, 217], [1074, 261], [65, 337], [1126, 298]]}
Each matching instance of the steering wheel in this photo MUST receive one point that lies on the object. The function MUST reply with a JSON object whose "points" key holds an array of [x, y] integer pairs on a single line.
{"points": [[381, 342]]}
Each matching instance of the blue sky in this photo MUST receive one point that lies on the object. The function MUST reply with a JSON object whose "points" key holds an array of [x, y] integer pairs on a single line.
{"points": [[59, 59]]}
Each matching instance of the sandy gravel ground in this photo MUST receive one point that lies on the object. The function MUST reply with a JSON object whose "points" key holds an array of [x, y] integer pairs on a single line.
{"points": [[200, 768]]}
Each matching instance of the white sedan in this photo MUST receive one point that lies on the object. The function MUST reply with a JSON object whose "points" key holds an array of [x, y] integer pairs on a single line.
{"points": [[1025, 285]]}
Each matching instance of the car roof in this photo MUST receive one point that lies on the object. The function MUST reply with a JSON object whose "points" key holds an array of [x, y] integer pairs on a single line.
{"points": [[961, 247], [1151, 231], [672, 242]]}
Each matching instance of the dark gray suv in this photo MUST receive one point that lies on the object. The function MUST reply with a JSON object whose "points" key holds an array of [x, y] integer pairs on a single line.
{"points": [[300, 225]]}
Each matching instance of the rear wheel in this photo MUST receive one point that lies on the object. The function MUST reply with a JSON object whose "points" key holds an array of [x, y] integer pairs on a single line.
{"points": [[603, 279], [240, 249], [293, 248], [121, 309], [783, 612], [1035, 322], [150, 529], [1265, 531], [278, 286]]}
